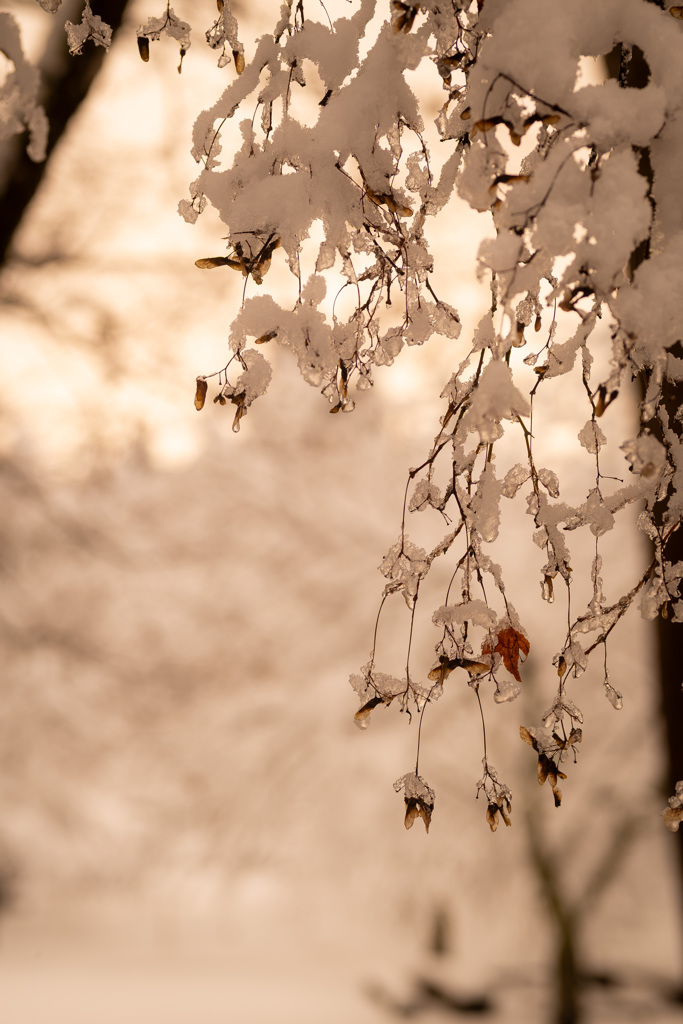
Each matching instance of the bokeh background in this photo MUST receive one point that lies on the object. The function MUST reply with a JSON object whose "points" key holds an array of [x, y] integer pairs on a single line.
{"points": [[192, 829]]}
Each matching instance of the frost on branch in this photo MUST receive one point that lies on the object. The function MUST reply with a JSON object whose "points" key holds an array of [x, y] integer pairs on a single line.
{"points": [[366, 181], [581, 184], [497, 794], [404, 566], [673, 814], [168, 24], [419, 799], [19, 109], [224, 32], [252, 382], [91, 27]]}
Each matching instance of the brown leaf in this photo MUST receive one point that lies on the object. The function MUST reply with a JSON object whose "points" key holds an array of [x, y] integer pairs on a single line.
{"points": [[200, 393], [511, 644]]}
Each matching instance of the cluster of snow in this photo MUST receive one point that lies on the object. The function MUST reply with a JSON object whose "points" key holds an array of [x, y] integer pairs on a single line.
{"points": [[19, 109]]}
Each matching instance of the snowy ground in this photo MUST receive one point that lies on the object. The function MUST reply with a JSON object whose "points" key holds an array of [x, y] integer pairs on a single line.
{"points": [[100, 962]]}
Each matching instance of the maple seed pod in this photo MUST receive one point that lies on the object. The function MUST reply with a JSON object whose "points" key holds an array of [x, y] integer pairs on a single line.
{"points": [[219, 5], [406, 16], [239, 61], [465, 114], [537, 324], [143, 47], [200, 393], [211, 262], [601, 405], [676, 12]]}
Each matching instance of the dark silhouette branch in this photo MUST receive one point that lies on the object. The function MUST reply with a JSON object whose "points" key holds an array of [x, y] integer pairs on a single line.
{"points": [[65, 82]]}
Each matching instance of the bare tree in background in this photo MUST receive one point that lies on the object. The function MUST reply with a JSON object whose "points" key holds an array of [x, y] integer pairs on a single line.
{"points": [[64, 85]]}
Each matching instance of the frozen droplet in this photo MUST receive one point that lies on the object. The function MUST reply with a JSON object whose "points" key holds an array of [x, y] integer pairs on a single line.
{"points": [[613, 696]]}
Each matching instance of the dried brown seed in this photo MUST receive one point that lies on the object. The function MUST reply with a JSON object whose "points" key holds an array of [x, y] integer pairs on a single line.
{"points": [[200, 393]]}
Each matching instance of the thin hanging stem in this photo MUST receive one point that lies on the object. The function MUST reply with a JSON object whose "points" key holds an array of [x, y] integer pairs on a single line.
{"points": [[483, 723]]}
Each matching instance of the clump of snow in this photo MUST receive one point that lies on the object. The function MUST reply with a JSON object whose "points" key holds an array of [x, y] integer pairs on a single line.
{"points": [[591, 437], [673, 814], [92, 27], [496, 398], [19, 109]]}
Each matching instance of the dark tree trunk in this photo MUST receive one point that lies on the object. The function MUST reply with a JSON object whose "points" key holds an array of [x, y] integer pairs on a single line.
{"points": [[568, 1006], [670, 644], [568, 972], [635, 75], [65, 84]]}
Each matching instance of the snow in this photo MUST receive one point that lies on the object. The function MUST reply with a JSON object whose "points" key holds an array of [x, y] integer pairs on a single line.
{"points": [[496, 398], [19, 92]]}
